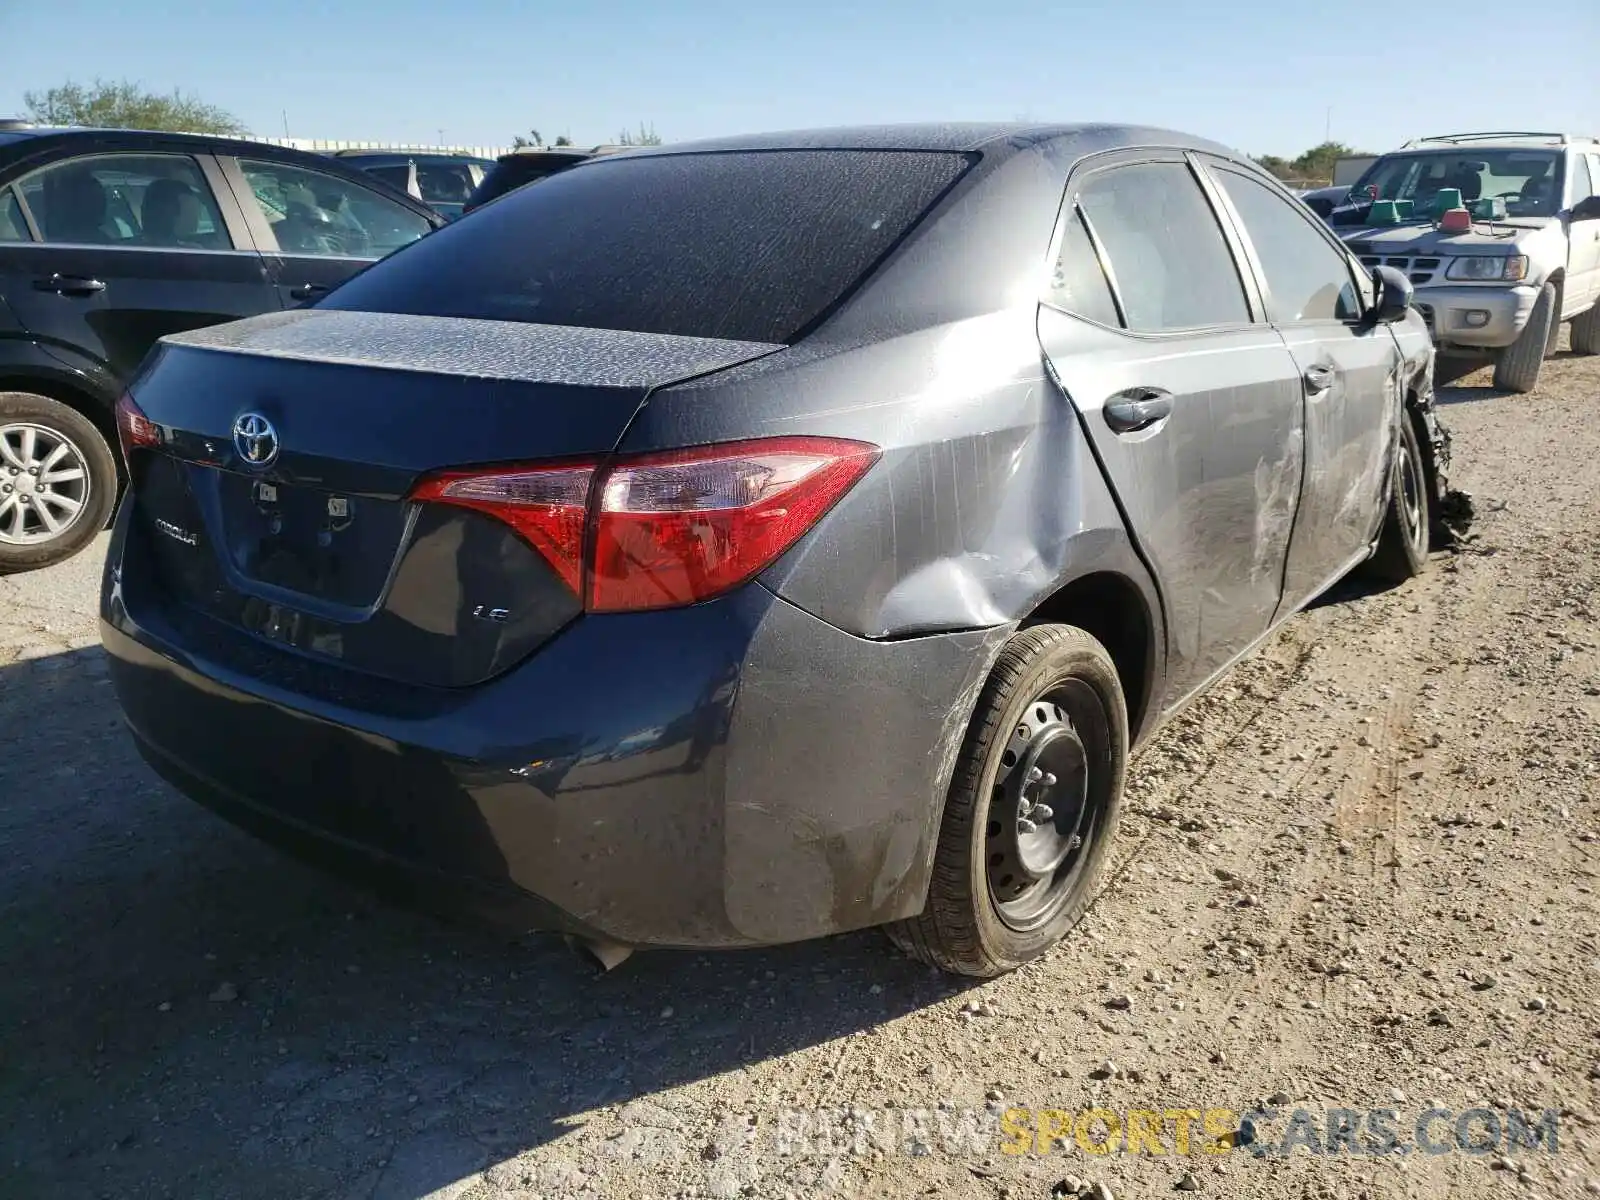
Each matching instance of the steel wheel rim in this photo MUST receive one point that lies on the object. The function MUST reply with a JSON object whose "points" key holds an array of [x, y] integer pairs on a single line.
{"points": [[1048, 776], [44, 484], [1411, 495]]}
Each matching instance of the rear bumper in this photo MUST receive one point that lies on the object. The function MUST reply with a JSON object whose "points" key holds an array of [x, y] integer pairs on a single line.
{"points": [[1504, 310], [734, 773]]}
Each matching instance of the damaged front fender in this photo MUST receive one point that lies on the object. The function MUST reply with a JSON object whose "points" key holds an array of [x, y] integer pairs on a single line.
{"points": [[1452, 508]]}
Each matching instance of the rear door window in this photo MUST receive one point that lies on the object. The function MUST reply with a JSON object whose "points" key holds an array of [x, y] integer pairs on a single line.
{"points": [[1078, 283], [746, 245], [1170, 262], [12, 226], [325, 216]]}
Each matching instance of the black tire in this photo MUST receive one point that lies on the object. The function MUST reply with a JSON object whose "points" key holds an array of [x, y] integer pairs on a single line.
{"points": [[1585, 331], [26, 541], [1408, 516], [1052, 685], [1517, 368]]}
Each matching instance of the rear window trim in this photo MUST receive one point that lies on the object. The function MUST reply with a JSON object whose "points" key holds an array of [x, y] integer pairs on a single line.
{"points": [[35, 237]]}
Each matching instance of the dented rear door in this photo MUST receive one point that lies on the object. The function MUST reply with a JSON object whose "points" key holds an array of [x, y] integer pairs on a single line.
{"points": [[1191, 402]]}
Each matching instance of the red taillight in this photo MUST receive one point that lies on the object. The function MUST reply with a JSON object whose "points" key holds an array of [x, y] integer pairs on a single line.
{"points": [[545, 505], [134, 429], [667, 529], [676, 528]]}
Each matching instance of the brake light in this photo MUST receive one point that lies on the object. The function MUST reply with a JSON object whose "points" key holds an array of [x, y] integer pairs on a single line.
{"points": [[545, 505], [663, 530], [134, 429], [681, 527]]}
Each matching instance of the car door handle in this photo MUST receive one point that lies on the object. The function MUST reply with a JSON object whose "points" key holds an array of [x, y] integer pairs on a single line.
{"points": [[1137, 408], [1320, 378], [307, 291], [69, 285]]}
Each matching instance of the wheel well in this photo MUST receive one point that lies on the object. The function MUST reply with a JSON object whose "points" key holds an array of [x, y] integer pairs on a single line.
{"points": [[1113, 611], [81, 399], [1558, 277]]}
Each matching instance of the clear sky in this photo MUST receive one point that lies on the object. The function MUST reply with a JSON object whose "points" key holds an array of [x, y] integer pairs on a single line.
{"points": [[1259, 75]]}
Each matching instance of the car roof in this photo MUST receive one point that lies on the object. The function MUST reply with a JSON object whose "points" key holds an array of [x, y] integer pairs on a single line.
{"points": [[225, 142], [1511, 140], [550, 153], [95, 131], [408, 155], [47, 136], [957, 137]]}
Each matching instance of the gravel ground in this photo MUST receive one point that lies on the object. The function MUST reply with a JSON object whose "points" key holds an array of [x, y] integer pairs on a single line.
{"points": [[1359, 874]]}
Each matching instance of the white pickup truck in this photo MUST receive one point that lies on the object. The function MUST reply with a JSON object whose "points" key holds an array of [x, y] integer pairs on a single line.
{"points": [[1500, 235]]}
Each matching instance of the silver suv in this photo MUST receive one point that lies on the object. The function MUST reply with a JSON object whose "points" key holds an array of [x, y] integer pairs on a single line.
{"points": [[1500, 235]]}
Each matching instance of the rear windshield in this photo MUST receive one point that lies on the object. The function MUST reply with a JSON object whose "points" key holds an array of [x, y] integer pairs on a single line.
{"points": [[444, 183], [396, 176], [752, 246], [503, 177]]}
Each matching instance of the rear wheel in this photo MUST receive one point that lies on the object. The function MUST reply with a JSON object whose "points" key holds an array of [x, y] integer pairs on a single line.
{"points": [[58, 481], [1586, 331], [1402, 551], [1517, 369], [1032, 809]]}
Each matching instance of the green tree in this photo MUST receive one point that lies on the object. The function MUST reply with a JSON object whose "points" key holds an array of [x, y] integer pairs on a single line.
{"points": [[563, 140], [1317, 163], [1277, 166], [535, 138], [1312, 166], [646, 136], [125, 105]]}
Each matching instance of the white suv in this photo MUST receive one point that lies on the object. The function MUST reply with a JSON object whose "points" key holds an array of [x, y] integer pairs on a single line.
{"points": [[1500, 235]]}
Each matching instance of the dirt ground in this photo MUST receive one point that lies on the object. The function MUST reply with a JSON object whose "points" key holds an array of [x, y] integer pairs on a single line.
{"points": [[1359, 875]]}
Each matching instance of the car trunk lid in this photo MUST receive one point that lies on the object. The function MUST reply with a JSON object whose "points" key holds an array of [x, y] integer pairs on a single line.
{"points": [[277, 504]]}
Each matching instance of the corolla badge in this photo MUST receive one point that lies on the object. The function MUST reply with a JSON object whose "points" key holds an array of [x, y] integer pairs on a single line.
{"points": [[255, 439], [177, 532]]}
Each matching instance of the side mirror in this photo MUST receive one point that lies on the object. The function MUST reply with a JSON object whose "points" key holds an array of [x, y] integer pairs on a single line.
{"points": [[1394, 295], [1587, 209]]}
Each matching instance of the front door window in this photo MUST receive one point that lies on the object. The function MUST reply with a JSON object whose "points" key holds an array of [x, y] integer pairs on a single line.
{"points": [[150, 201]]}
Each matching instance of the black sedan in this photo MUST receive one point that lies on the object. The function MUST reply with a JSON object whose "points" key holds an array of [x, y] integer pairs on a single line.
{"points": [[110, 239]]}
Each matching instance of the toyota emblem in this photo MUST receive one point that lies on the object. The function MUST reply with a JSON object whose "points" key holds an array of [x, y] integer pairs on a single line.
{"points": [[255, 439]]}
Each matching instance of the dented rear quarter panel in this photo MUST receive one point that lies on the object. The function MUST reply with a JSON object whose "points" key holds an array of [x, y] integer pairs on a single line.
{"points": [[986, 501]]}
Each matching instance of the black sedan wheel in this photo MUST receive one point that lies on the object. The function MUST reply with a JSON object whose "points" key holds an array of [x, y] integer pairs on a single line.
{"points": [[1032, 807], [58, 481]]}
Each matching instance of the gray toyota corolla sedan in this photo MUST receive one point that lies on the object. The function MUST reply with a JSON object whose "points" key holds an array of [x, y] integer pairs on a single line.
{"points": [[738, 542]]}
